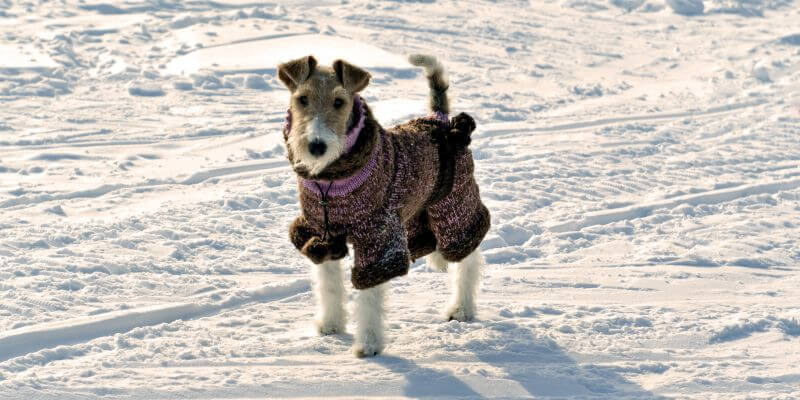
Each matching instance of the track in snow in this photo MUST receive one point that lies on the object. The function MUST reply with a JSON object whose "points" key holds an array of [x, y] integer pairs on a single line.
{"points": [[26, 340], [642, 210]]}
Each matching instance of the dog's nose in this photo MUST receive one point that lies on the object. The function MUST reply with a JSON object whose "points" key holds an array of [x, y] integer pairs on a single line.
{"points": [[317, 148]]}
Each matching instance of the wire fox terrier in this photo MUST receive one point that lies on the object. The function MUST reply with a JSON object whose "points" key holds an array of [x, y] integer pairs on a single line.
{"points": [[395, 195]]}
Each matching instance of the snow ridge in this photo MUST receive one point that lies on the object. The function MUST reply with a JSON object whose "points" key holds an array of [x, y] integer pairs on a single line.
{"points": [[22, 341]]}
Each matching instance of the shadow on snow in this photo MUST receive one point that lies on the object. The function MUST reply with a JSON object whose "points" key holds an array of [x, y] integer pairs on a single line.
{"points": [[539, 365]]}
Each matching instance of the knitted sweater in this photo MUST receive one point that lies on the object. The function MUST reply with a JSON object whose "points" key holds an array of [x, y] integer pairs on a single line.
{"points": [[396, 195]]}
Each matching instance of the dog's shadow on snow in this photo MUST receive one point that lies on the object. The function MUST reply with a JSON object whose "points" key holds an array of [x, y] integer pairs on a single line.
{"points": [[539, 365], [424, 382], [543, 369]]}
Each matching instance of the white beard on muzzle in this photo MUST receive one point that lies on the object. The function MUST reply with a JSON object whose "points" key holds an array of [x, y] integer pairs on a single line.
{"points": [[315, 131]]}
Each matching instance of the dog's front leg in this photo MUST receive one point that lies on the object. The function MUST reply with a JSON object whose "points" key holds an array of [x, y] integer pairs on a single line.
{"points": [[370, 313], [330, 293]]}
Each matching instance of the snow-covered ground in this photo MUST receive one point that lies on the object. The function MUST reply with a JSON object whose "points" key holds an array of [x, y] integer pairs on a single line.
{"points": [[641, 159]]}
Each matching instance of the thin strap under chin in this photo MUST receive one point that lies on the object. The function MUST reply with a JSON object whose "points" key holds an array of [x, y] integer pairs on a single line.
{"points": [[324, 203]]}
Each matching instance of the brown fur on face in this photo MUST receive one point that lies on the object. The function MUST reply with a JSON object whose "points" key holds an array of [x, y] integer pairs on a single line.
{"points": [[322, 107]]}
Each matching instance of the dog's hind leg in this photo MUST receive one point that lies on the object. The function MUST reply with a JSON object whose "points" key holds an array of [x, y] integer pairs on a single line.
{"points": [[329, 290], [370, 313], [437, 261], [465, 280]]}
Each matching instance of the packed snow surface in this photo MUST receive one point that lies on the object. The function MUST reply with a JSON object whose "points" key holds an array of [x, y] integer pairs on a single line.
{"points": [[641, 160]]}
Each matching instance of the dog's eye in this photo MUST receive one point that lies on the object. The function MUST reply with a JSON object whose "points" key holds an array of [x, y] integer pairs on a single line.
{"points": [[303, 100], [338, 103]]}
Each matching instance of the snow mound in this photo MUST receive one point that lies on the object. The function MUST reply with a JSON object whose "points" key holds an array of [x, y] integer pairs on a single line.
{"points": [[264, 55], [747, 8], [627, 5], [145, 90], [761, 71], [687, 7], [793, 40]]}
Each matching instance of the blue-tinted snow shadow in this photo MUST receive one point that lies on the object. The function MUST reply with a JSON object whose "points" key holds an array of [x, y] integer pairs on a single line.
{"points": [[540, 366], [544, 369], [424, 382]]}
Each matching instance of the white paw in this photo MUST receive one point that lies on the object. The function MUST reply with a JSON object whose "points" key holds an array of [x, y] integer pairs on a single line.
{"points": [[364, 350], [460, 313], [330, 327], [368, 345]]}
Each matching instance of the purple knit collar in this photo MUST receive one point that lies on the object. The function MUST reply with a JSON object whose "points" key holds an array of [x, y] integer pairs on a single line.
{"points": [[352, 134], [342, 187]]}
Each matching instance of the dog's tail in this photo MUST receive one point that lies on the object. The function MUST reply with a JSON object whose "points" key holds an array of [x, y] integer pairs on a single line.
{"points": [[437, 81]]}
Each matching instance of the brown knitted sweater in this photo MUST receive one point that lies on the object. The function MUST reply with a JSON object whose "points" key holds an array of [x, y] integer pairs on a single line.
{"points": [[397, 195]]}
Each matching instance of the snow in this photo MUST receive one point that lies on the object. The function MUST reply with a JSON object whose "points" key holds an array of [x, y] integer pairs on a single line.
{"points": [[28, 340], [263, 54], [145, 90], [640, 159], [23, 57], [687, 7]]}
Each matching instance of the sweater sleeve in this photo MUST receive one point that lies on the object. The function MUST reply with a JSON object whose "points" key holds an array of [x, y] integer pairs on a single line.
{"points": [[310, 243], [381, 251]]}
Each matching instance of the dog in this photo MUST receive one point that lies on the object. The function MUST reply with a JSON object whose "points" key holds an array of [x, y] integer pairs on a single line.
{"points": [[395, 195]]}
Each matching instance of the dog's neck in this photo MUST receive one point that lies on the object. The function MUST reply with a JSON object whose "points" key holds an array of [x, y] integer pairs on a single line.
{"points": [[345, 186], [358, 160]]}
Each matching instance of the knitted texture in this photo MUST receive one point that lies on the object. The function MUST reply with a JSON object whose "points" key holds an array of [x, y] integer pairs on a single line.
{"points": [[390, 214]]}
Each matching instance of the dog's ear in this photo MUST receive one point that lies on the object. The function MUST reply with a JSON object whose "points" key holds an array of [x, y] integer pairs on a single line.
{"points": [[353, 79], [295, 72]]}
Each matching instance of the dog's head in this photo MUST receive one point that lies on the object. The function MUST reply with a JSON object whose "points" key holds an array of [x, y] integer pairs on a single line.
{"points": [[321, 107]]}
